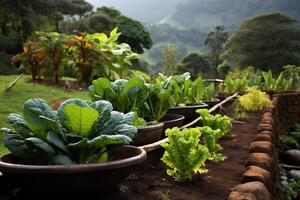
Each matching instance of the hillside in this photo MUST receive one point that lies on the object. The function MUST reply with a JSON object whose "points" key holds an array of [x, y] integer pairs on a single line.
{"points": [[208, 13]]}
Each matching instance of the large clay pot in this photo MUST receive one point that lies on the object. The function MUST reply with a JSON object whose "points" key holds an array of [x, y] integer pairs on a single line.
{"points": [[148, 134], [72, 179], [170, 121], [189, 112]]}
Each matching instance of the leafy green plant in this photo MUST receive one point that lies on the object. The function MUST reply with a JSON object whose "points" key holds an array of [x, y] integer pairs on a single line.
{"points": [[233, 85], [198, 92], [78, 132], [148, 101], [254, 100], [211, 138], [215, 121], [184, 155], [214, 127], [278, 85]]}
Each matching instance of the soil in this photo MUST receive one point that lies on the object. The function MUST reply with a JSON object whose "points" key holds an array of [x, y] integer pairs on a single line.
{"points": [[152, 183], [56, 103]]}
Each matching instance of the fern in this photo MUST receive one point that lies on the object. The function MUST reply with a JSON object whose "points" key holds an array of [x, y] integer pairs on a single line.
{"points": [[184, 155]]}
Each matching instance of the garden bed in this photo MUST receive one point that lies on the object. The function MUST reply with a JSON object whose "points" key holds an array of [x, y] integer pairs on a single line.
{"points": [[151, 181]]}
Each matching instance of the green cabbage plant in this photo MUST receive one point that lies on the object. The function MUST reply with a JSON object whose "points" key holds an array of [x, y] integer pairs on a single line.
{"points": [[78, 132]]}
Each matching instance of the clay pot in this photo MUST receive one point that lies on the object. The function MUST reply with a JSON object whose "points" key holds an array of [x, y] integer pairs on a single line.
{"points": [[72, 179], [189, 112], [170, 121], [148, 134]]}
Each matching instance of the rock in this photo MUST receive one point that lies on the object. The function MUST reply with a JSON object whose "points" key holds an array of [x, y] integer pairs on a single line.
{"points": [[241, 196], [291, 157], [262, 160], [264, 127], [263, 137], [270, 133], [261, 147], [255, 173], [294, 174], [256, 188]]}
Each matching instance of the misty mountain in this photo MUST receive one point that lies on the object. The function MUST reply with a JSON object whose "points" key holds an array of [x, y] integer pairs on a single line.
{"points": [[147, 11], [208, 13]]}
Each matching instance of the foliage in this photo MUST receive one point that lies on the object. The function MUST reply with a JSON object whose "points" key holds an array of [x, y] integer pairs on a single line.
{"points": [[250, 44], [194, 63], [232, 85], [254, 100], [169, 59], [291, 140], [99, 54], [13, 100], [31, 58], [292, 72], [184, 91], [214, 127], [215, 42], [77, 133], [184, 155], [53, 48], [279, 84], [104, 19], [215, 121], [211, 137], [148, 101]]}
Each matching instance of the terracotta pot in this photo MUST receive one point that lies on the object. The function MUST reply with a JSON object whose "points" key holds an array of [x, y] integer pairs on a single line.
{"points": [[72, 179], [148, 134], [170, 121], [189, 112], [212, 102]]}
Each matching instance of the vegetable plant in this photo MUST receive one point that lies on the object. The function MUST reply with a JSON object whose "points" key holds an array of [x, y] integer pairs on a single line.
{"points": [[272, 84], [198, 91], [254, 100], [148, 101], [184, 155], [214, 127], [233, 85], [78, 132]]}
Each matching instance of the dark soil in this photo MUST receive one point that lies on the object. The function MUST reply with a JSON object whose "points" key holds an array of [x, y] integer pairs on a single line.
{"points": [[153, 183], [68, 85]]}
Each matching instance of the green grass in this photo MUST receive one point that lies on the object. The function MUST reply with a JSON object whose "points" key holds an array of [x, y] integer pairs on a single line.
{"points": [[12, 101]]}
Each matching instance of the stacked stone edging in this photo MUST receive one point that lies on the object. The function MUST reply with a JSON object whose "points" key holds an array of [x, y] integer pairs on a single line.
{"points": [[261, 180]]}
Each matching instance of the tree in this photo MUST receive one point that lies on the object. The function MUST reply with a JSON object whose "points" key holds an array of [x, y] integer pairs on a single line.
{"points": [[169, 59], [267, 41], [134, 34], [104, 19], [215, 42], [196, 64]]}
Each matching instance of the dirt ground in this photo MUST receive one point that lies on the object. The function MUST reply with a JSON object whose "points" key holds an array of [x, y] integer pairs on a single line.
{"points": [[152, 183]]}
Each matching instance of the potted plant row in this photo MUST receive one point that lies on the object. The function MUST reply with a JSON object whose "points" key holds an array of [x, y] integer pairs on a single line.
{"points": [[149, 102], [71, 150]]}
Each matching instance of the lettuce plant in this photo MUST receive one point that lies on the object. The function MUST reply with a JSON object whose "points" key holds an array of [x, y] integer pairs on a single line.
{"points": [[214, 127], [78, 132], [184, 155], [232, 85]]}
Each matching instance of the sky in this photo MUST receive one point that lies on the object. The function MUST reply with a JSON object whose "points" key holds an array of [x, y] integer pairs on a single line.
{"points": [[149, 11]]}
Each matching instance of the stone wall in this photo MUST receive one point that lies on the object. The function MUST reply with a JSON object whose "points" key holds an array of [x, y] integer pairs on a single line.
{"points": [[260, 180]]}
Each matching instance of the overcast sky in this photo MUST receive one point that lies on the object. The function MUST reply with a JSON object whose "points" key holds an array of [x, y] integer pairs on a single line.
{"points": [[144, 10]]}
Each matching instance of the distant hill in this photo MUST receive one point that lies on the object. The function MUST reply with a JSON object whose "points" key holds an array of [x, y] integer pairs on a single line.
{"points": [[208, 13], [147, 11]]}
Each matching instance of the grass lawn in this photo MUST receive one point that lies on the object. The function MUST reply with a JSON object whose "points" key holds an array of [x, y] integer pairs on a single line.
{"points": [[12, 101]]}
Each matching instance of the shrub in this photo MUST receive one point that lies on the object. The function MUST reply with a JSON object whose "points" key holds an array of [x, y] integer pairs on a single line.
{"points": [[254, 100]]}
